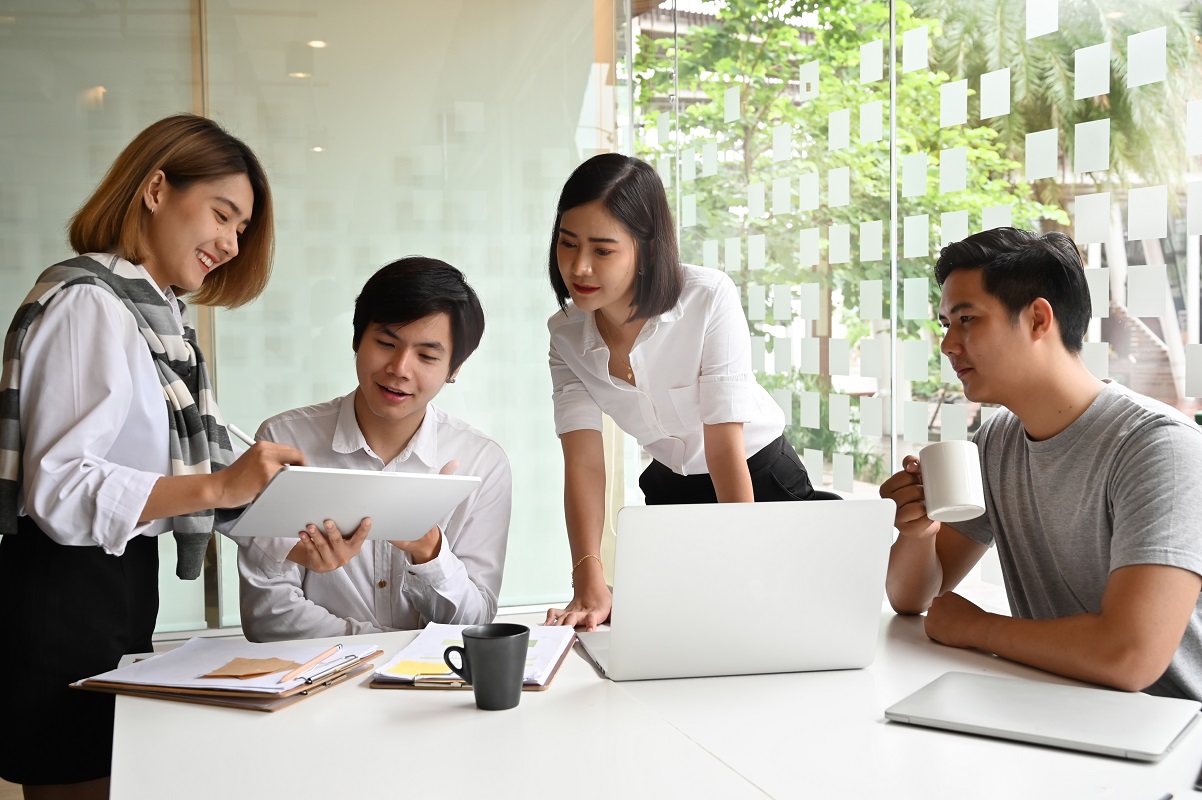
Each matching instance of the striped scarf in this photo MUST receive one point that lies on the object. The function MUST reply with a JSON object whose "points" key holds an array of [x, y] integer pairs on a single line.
{"points": [[198, 440]]}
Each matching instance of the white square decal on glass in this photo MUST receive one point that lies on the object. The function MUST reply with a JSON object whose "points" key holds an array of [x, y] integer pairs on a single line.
{"points": [[872, 416], [730, 103], [953, 422], [872, 122], [1091, 146], [688, 165], [1092, 71], [1098, 280], [915, 298], [1096, 357], [755, 199], [757, 353], [757, 297], [1041, 154], [1043, 16], [1193, 209], [839, 136], [843, 468], [782, 354], [664, 168], [782, 142], [872, 300], [872, 359], [784, 399], [839, 248], [782, 196], [872, 236], [1193, 370], [872, 61], [914, 175], [782, 303], [709, 159], [1148, 213], [809, 247], [688, 210], [914, 49], [663, 127], [953, 226], [838, 353], [811, 356], [808, 307], [734, 254], [813, 463], [1146, 62], [953, 170], [811, 406], [1092, 223], [1147, 290], [709, 254], [808, 199], [987, 412], [809, 81], [757, 255], [839, 412], [915, 356], [839, 186], [916, 235], [1193, 128], [953, 104], [995, 217], [915, 426], [995, 93], [947, 373]]}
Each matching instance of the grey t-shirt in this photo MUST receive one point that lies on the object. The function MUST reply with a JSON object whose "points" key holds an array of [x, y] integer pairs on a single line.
{"points": [[1120, 486]]}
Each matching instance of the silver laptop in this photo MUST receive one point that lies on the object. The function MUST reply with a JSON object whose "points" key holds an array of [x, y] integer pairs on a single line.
{"points": [[1124, 724], [745, 588]]}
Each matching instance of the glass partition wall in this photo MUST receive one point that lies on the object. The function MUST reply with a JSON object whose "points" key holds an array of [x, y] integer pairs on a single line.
{"points": [[819, 153]]}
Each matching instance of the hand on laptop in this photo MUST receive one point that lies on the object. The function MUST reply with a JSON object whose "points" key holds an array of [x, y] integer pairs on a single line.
{"points": [[326, 551], [588, 609], [904, 488]]}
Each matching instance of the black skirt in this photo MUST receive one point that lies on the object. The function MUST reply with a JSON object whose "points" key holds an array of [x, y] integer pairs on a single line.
{"points": [[66, 613], [777, 474]]}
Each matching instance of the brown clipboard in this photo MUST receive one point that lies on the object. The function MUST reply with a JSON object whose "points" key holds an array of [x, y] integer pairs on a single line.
{"points": [[228, 698], [376, 683]]}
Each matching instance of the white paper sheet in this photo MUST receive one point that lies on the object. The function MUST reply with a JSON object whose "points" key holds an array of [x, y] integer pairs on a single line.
{"points": [[872, 122], [953, 226], [1041, 154], [839, 187], [953, 104], [839, 247], [1091, 218], [1091, 146], [872, 300], [1148, 213], [953, 170], [809, 246], [914, 175], [916, 236], [1091, 72], [1146, 57], [995, 93], [839, 135], [872, 235], [1147, 288], [914, 49], [547, 645]]}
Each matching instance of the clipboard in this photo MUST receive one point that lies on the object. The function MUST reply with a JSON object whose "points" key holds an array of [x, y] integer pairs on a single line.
{"points": [[227, 699], [458, 683]]}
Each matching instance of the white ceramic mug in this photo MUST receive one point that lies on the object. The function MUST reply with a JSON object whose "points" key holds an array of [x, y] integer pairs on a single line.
{"points": [[951, 481]]}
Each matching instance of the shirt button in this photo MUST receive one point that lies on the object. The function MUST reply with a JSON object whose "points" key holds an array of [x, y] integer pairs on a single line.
{"points": [[382, 584]]}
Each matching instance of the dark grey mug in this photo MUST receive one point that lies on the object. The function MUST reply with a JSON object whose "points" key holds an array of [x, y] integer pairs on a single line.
{"points": [[493, 662]]}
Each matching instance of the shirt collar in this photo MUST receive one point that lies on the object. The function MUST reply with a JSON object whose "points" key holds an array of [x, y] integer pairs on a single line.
{"points": [[348, 437], [590, 336]]}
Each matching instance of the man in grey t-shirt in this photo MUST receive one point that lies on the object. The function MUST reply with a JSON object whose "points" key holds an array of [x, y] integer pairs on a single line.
{"points": [[1092, 491]]}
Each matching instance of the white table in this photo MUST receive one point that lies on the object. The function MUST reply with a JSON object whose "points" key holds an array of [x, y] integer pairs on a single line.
{"points": [[802, 735]]}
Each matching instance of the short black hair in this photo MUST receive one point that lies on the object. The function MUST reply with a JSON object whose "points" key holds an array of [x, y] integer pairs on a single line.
{"points": [[415, 287], [1019, 266], [632, 192]]}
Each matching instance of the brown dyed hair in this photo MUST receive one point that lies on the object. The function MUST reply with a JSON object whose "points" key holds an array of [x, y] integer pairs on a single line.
{"points": [[188, 149]]}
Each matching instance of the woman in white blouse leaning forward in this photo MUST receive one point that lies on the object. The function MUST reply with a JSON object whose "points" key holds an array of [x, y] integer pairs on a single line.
{"points": [[109, 436], [664, 350]]}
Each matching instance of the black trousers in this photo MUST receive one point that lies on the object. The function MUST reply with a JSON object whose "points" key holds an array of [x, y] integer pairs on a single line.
{"points": [[776, 474], [66, 613]]}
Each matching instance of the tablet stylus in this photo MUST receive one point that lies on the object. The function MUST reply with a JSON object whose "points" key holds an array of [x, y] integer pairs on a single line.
{"points": [[234, 429]]}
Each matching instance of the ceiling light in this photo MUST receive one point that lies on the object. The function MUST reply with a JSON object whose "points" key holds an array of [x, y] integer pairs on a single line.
{"points": [[316, 44]]}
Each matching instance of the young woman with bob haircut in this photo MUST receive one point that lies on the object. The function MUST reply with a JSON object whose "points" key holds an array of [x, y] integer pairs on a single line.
{"points": [[109, 436], [664, 350]]}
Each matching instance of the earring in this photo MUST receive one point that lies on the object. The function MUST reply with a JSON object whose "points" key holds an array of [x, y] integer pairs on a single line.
{"points": [[450, 380]]}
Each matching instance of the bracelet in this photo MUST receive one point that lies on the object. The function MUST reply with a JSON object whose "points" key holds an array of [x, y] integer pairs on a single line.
{"points": [[581, 561]]}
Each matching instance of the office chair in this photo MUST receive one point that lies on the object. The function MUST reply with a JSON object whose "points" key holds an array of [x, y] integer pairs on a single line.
{"points": [[819, 494]]}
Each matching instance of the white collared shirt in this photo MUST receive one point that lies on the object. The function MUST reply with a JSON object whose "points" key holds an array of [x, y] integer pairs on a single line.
{"points": [[380, 590], [692, 365], [93, 419]]}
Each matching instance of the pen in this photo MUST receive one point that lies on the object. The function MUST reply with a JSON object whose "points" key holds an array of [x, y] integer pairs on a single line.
{"points": [[346, 662], [234, 429], [311, 663]]}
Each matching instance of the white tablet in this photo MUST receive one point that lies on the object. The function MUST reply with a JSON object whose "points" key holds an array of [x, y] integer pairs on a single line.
{"points": [[402, 505]]}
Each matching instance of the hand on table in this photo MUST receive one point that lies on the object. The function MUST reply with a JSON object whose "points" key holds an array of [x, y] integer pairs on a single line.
{"points": [[954, 621], [588, 609]]}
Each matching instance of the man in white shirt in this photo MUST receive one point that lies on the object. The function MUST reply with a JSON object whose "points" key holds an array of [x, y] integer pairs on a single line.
{"points": [[416, 322]]}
